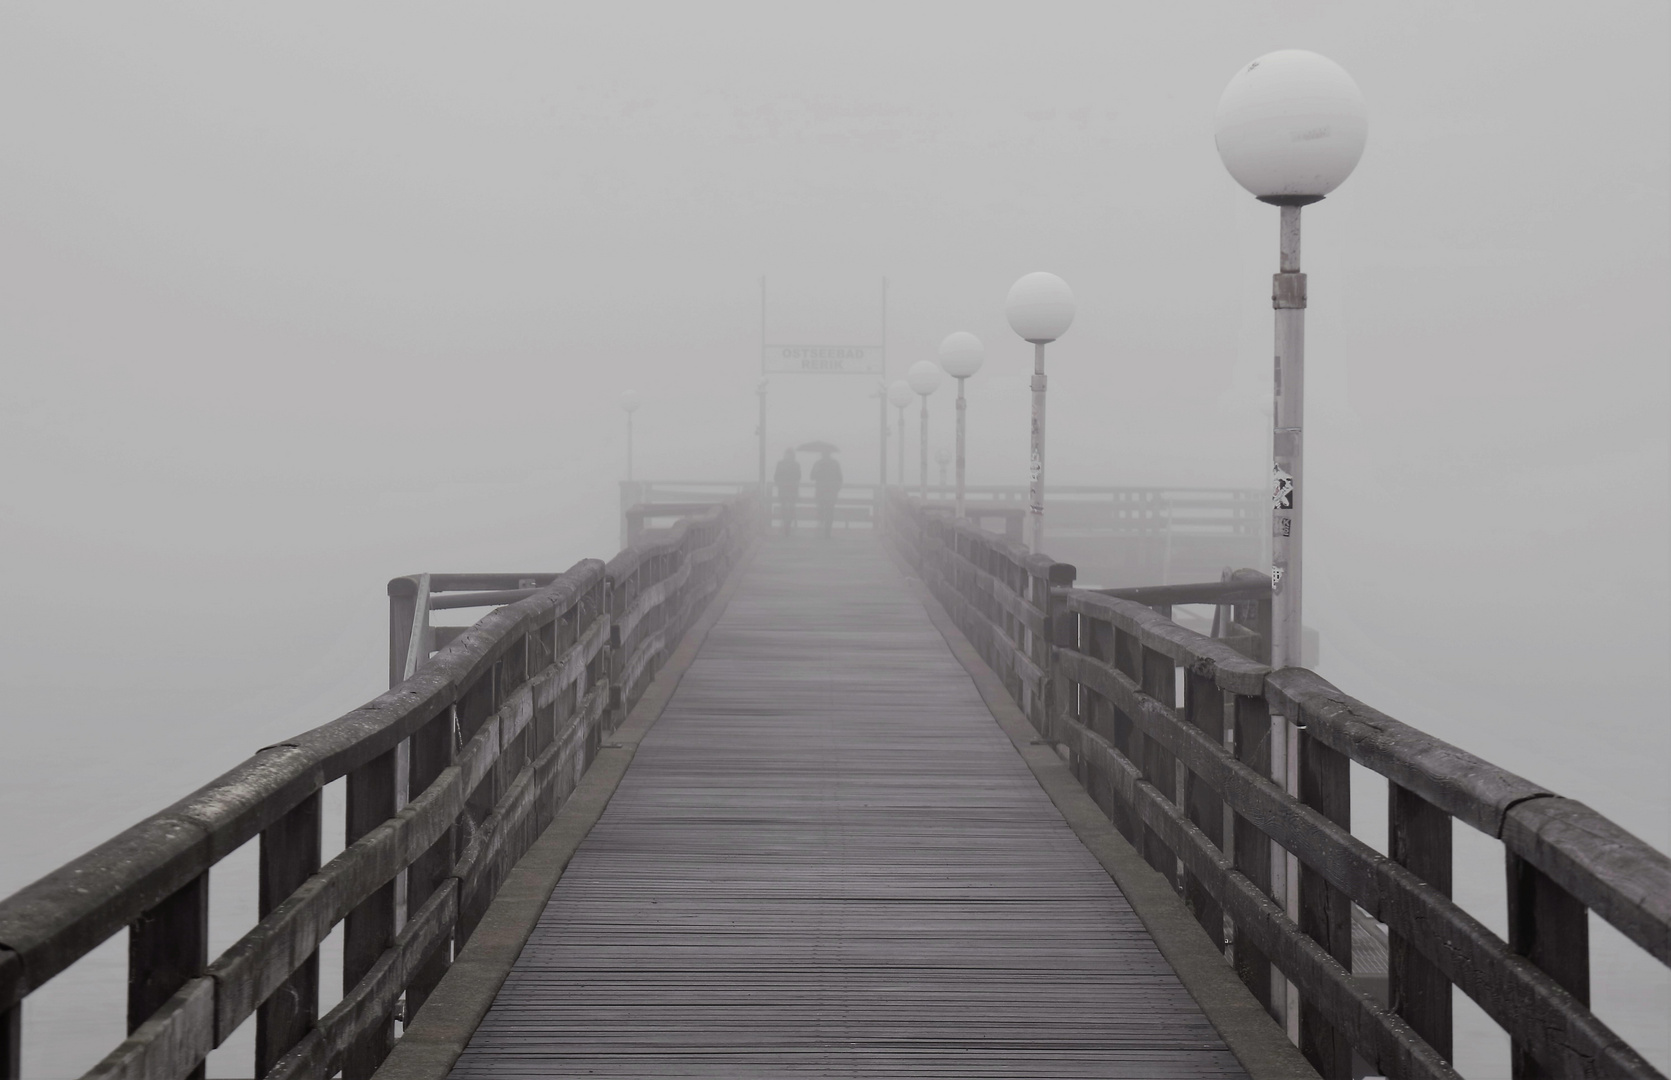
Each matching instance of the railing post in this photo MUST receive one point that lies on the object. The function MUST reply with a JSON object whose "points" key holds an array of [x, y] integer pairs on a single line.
{"points": [[1250, 848], [289, 856], [1204, 708], [370, 928], [1419, 838], [1551, 928], [1127, 658], [1098, 638], [1325, 911], [475, 706], [1061, 631], [403, 607], [167, 947], [433, 748], [11, 1044], [1159, 767]]}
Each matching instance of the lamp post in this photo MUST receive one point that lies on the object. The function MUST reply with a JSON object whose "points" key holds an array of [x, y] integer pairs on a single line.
{"points": [[765, 496], [943, 457], [629, 405], [899, 396], [1290, 128], [1040, 309], [961, 355], [881, 396], [924, 378]]}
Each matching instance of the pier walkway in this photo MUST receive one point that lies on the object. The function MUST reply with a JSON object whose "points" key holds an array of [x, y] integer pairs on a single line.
{"points": [[828, 860]]}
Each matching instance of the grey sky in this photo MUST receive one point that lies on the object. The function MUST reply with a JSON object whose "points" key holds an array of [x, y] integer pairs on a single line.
{"points": [[298, 297]]}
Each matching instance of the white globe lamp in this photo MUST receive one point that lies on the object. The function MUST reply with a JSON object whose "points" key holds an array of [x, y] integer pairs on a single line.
{"points": [[1040, 307], [1291, 127]]}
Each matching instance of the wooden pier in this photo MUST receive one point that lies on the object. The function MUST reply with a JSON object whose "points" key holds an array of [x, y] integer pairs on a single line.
{"points": [[828, 860]]}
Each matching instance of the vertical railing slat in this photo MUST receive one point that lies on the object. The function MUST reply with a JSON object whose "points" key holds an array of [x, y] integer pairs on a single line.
{"points": [[432, 751], [1159, 766], [289, 856], [1551, 928], [167, 947], [1204, 708], [369, 928], [1419, 838], [1250, 848], [1325, 911]]}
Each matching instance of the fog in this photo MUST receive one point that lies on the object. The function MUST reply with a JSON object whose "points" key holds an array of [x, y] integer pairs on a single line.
{"points": [[300, 297]]}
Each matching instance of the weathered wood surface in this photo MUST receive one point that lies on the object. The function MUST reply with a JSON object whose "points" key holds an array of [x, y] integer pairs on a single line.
{"points": [[827, 860]]}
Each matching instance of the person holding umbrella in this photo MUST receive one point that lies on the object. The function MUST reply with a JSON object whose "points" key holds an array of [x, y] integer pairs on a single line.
{"points": [[787, 477], [826, 483]]}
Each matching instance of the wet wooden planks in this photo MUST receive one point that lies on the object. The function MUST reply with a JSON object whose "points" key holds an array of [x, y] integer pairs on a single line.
{"points": [[827, 860]]}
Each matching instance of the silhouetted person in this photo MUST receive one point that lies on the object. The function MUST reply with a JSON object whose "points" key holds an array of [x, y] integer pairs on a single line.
{"points": [[788, 481], [826, 485]]}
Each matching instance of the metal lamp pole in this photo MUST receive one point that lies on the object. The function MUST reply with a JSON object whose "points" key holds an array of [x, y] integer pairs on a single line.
{"points": [[1040, 309], [899, 396], [943, 457], [961, 355], [881, 396], [1290, 128], [629, 405], [924, 379], [765, 496]]}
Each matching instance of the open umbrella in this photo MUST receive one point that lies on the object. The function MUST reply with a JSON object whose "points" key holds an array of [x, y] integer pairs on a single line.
{"points": [[819, 447]]}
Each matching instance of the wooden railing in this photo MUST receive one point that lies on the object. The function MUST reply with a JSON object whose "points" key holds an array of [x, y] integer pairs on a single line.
{"points": [[1185, 775], [1124, 535], [490, 727]]}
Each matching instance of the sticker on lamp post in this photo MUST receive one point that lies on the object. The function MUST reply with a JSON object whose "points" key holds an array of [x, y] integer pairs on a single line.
{"points": [[1282, 489]]}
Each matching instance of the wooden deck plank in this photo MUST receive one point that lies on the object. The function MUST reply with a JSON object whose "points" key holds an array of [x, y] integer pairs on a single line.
{"points": [[827, 861]]}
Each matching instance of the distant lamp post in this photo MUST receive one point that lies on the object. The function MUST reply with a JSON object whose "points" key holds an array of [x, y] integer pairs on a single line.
{"points": [[944, 458], [760, 430], [1040, 309], [924, 379], [961, 355], [899, 396], [1290, 128], [629, 404], [881, 396]]}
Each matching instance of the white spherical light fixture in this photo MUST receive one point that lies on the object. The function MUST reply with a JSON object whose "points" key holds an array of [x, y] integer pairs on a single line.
{"points": [[961, 354], [923, 377], [1040, 307], [629, 401], [1291, 126], [899, 393]]}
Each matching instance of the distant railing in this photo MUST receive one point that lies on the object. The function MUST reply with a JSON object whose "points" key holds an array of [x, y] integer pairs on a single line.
{"points": [[491, 726], [1188, 783], [1164, 533]]}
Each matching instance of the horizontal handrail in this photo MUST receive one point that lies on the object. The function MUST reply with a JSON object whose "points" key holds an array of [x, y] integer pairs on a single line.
{"points": [[1190, 784]]}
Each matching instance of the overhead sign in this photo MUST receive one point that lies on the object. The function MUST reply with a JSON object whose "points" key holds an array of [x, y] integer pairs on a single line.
{"points": [[821, 359]]}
